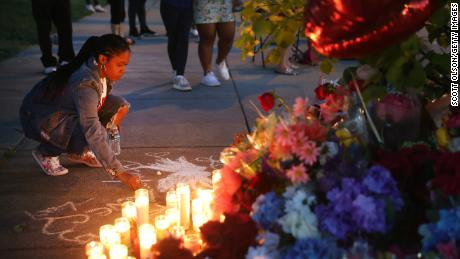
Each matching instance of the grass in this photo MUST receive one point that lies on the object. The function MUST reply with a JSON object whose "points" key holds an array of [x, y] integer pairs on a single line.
{"points": [[17, 26]]}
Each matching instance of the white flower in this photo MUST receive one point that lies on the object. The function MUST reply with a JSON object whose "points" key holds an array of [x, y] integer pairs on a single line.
{"points": [[300, 224], [299, 220], [261, 252]]}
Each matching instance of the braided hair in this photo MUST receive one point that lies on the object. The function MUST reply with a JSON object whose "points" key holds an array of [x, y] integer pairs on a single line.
{"points": [[108, 45]]}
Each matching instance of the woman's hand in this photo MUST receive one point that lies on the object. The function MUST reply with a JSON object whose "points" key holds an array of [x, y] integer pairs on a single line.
{"points": [[130, 180]]}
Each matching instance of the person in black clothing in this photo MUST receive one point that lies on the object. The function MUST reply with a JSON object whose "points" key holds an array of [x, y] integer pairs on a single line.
{"points": [[177, 17], [137, 7], [57, 12]]}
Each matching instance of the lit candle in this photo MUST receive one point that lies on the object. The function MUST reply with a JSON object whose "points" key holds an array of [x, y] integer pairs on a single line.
{"points": [[171, 199], [118, 251], [178, 231], [198, 221], [206, 197], [99, 256], [147, 238], [108, 235], [123, 226], [172, 215], [183, 198], [192, 242], [128, 210], [94, 248], [161, 225], [216, 176], [197, 213], [142, 206]]}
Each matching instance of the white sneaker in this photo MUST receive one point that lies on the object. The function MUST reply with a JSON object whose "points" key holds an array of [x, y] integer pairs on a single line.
{"points": [[223, 70], [90, 8], [49, 164], [49, 70], [98, 8], [210, 80], [194, 32], [181, 83]]}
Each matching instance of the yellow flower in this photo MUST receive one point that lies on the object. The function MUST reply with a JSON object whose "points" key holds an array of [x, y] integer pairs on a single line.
{"points": [[345, 137], [442, 137]]}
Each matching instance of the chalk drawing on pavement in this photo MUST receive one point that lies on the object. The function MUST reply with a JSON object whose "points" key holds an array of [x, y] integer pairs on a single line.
{"points": [[178, 170]]}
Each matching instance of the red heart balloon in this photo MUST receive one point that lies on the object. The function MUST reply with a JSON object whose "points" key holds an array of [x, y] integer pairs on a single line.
{"points": [[355, 28]]}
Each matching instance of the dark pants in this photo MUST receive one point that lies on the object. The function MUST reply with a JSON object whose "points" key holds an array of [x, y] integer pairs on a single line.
{"points": [[93, 1], [77, 143], [117, 11], [57, 12], [178, 22], [137, 7]]}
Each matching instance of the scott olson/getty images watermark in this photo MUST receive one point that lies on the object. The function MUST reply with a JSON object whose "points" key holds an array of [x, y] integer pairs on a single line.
{"points": [[454, 54]]}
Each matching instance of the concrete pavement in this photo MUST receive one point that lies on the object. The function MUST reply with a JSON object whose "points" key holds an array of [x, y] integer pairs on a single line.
{"points": [[168, 136]]}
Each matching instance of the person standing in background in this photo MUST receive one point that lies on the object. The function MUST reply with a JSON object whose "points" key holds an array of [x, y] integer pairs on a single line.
{"points": [[214, 17], [137, 8], [117, 16], [94, 8], [177, 16], [57, 12]]}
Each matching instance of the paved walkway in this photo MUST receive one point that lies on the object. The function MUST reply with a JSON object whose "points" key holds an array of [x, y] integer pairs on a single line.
{"points": [[167, 135]]}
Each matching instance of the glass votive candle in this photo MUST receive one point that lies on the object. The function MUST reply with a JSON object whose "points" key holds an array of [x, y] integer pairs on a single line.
{"points": [[142, 206], [123, 226], [108, 235], [147, 238], [99, 256], [118, 251], [193, 243], [161, 225], [172, 215], [177, 232], [94, 248], [171, 199], [198, 221], [128, 210]]}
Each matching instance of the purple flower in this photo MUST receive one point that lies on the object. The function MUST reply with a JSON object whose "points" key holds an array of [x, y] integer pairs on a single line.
{"points": [[379, 181], [369, 213], [313, 248]]}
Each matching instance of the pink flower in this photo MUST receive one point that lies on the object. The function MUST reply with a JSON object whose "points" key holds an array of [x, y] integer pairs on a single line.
{"points": [[308, 152], [396, 107], [297, 174], [282, 135], [300, 107]]}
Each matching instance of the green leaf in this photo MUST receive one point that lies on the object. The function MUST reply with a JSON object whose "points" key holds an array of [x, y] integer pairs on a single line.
{"points": [[326, 66], [373, 92], [417, 76], [274, 56], [261, 27], [441, 62]]}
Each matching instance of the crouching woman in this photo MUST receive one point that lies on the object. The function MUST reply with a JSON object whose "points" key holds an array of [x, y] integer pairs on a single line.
{"points": [[70, 110]]}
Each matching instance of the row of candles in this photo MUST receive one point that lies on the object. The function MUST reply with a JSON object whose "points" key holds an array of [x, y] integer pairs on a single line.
{"points": [[181, 214]]}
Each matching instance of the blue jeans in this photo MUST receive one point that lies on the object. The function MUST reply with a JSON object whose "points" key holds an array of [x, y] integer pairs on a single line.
{"points": [[77, 143]]}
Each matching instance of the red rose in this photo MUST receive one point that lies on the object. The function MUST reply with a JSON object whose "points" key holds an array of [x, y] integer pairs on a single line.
{"points": [[321, 92], [267, 101]]}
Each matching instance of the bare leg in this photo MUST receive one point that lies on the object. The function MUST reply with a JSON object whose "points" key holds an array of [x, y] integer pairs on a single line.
{"points": [[207, 33], [226, 33]]}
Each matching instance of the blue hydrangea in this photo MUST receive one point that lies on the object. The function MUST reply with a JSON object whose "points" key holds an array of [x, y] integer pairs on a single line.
{"points": [[313, 248], [267, 209], [446, 229]]}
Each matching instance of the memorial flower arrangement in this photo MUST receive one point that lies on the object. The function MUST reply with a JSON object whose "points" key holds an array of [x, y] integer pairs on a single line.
{"points": [[315, 189]]}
